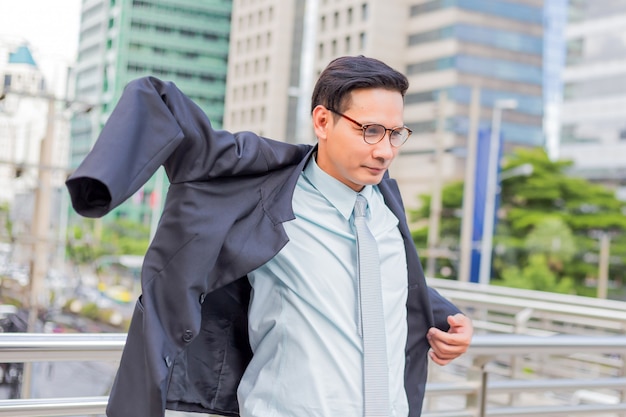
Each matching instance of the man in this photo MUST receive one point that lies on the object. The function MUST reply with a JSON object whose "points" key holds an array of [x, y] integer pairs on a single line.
{"points": [[250, 290]]}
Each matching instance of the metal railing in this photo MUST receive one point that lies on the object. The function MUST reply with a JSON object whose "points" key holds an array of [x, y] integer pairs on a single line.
{"points": [[480, 390], [533, 354]]}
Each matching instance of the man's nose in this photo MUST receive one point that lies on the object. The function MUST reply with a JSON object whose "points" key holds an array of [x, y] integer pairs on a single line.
{"points": [[384, 148]]}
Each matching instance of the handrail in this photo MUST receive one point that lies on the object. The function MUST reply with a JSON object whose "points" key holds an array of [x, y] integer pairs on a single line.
{"points": [[50, 407], [508, 310], [19, 347], [45, 347], [498, 291], [30, 347]]}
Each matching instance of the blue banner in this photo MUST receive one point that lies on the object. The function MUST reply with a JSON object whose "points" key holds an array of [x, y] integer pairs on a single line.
{"points": [[480, 197]]}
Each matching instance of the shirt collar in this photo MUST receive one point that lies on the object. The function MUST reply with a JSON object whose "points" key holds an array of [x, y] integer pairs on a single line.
{"points": [[337, 193]]}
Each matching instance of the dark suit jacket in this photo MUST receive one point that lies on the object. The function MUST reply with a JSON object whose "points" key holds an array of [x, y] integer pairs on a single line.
{"points": [[187, 345]]}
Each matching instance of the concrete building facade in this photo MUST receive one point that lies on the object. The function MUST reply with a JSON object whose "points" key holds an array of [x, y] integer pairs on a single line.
{"points": [[34, 130], [443, 46], [593, 122]]}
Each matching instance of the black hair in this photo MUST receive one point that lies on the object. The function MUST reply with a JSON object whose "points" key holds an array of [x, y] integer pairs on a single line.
{"points": [[348, 73]]}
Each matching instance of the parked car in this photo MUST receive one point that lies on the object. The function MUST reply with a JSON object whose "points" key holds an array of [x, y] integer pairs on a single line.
{"points": [[12, 321]]}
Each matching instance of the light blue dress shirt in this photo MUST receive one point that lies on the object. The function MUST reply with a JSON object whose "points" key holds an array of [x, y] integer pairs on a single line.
{"points": [[304, 314]]}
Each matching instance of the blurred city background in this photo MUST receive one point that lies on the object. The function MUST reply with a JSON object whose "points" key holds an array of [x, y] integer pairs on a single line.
{"points": [[515, 174]]}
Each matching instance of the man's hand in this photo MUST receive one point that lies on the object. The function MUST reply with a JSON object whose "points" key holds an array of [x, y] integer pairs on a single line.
{"points": [[448, 346]]}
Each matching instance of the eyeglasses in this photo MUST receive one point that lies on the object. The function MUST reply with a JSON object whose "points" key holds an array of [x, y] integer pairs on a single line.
{"points": [[374, 132]]}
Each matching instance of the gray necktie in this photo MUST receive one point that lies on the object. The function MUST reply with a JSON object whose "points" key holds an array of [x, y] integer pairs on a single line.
{"points": [[375, 369]]}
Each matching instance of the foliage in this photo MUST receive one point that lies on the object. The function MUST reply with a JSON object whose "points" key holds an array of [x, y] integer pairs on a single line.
{"points": [[8, 224], [536, 275], [548, 213], [552, 238], [89, 241]]}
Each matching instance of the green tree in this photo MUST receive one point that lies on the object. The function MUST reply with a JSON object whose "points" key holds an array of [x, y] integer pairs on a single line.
{"points": [[554, 239], [536, 275], [548, 212], [89, 241], [577, 210], [7, 224]]}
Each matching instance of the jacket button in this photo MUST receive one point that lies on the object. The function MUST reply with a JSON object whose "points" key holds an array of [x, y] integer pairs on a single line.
{"points": [[202, 297], [187, 336], [168, 361]]}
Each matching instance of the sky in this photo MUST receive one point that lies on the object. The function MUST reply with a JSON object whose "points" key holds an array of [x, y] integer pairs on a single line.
{"points": [[51, 29]]}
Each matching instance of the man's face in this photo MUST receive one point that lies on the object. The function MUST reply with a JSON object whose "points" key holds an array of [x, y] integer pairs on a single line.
{"points": [[342, 152]]}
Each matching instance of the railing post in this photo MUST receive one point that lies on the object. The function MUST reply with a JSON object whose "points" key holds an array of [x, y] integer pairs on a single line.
{"points": [[478, 372], [482, 409], [521, 327], [622, 369]]}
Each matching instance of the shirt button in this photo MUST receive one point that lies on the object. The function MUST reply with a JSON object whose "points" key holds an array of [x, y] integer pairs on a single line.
{"points": [[187, 336]]}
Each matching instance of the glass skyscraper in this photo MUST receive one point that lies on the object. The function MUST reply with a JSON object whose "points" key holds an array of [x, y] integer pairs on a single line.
{"points": [[185, 41]]}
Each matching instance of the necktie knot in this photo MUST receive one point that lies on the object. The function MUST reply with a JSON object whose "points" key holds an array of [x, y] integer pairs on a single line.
{"points": [[360, 206]]}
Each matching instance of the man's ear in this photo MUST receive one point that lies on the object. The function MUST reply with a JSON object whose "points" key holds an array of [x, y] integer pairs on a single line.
{"points": [[321, 119]]}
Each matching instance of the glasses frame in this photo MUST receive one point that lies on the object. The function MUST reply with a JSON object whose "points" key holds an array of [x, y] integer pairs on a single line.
{"points": [[363, 127]]}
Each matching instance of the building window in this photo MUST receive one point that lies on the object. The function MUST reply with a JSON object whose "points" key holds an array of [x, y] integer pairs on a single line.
{"points": [[336, 20], [184, 75], [364, 11], [362, 41], [429, 66], [163, 29], [347, 44], [349, 15], [323, 23], [160, 71]]}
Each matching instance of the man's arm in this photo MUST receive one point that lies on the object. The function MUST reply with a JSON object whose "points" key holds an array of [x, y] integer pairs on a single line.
{"points": [[155, 124], [446, 346], [452, 332]]}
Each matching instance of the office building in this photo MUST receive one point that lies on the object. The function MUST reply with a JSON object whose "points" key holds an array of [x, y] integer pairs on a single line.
{"points": [[443, 46], [185, 41], [34, 127], [593, 122], [555, 20]]}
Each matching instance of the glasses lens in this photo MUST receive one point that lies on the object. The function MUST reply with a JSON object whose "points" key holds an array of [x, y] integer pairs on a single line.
{"points": [[399, 136], [373, 133]]}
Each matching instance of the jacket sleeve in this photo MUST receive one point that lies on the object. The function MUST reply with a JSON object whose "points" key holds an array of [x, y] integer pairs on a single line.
{"points": [[155, 124], [442, 308]]}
